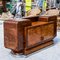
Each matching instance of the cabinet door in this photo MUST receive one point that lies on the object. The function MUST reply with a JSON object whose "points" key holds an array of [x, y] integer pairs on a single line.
{"points": [[33, 36], [48, 31]]}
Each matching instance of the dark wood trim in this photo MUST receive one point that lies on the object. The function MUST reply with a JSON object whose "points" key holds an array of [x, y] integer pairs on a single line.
{"points": [[29, 51], [4, 5]]}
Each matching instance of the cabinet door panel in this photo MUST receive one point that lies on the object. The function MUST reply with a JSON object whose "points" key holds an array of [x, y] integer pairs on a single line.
{"points": [[48, 31], [33, 35]]}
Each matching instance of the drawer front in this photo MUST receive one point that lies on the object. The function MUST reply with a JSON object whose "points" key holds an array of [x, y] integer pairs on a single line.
{"points": [[58, 23], [33, 36], [47, 19], [48, 31], [53, 18], [10, 35]]}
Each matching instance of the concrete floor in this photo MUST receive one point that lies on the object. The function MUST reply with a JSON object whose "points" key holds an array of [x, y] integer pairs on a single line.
{"points": [[49, 53]]}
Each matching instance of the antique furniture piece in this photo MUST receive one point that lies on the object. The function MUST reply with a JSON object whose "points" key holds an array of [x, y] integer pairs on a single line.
{"points": [[26, 36]]}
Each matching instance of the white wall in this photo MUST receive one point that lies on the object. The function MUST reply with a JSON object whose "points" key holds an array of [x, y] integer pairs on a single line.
{"points": [[1, 33]]}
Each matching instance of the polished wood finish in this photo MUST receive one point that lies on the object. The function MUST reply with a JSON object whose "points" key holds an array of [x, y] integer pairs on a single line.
{"points": [[38, 35], [25, 36], [49, 19], [43, 45], [14, 33]]}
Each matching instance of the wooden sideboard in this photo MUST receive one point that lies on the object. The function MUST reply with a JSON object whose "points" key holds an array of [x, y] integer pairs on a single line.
{"points": [[25, 36]]}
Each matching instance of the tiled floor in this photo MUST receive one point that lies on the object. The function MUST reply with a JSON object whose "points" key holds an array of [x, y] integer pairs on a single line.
{"points": [[49, 53]]}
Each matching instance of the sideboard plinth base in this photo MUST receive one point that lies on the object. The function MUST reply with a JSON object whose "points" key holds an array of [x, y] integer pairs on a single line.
{"points": [[26, 52]]}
